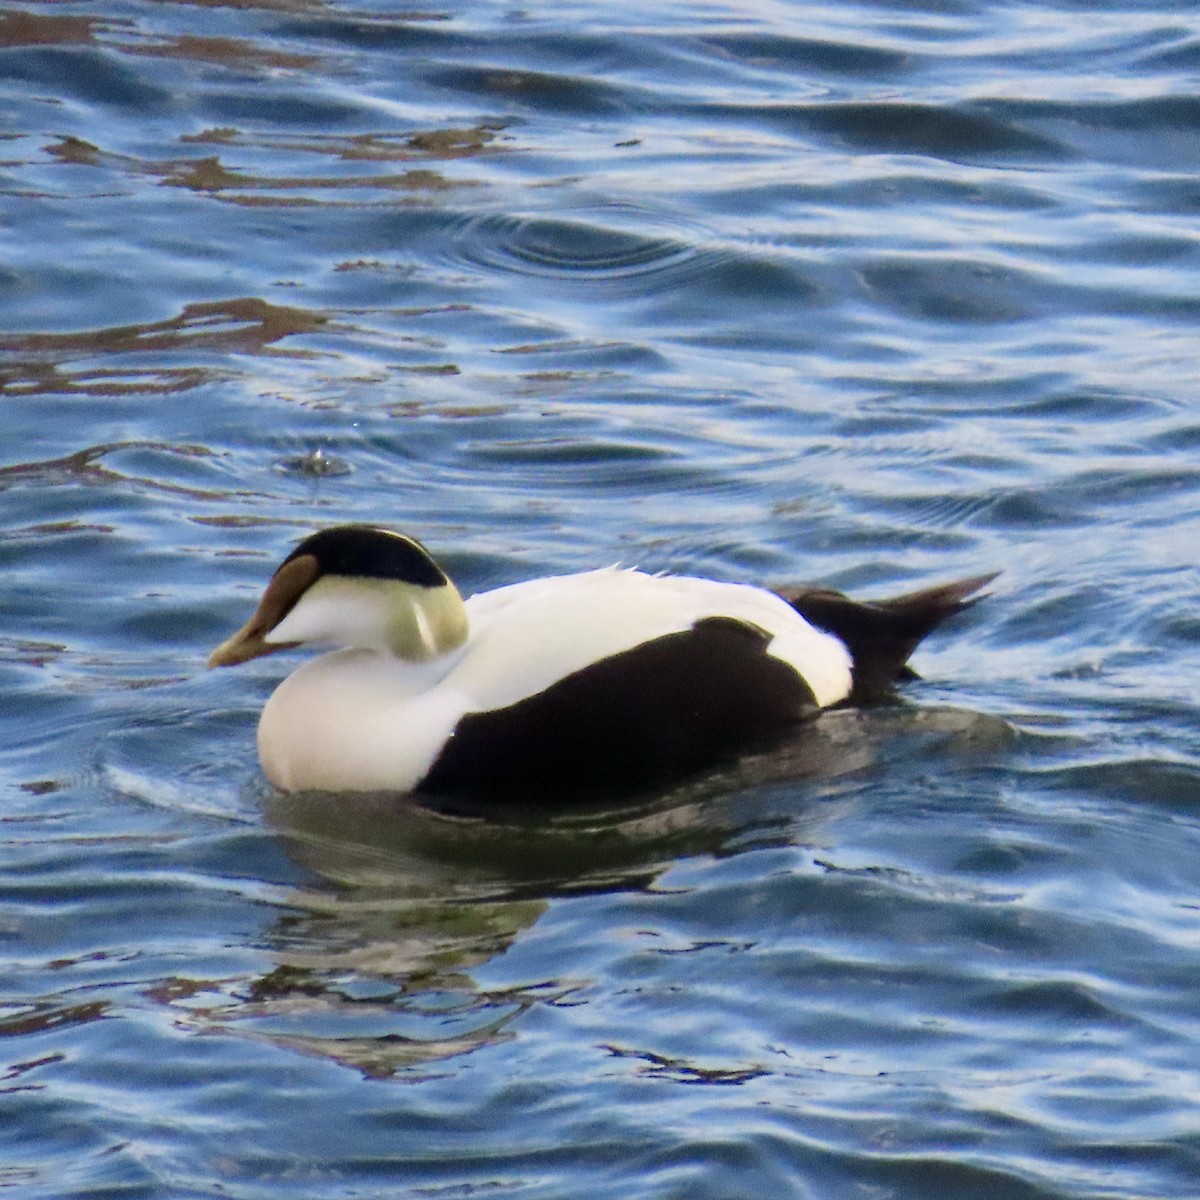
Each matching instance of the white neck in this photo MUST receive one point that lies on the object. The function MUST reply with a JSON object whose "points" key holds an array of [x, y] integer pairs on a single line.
{"points": [[413, 623]]}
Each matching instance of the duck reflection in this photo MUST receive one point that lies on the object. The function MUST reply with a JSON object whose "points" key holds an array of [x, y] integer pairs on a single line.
{"points": [[373, 965]]}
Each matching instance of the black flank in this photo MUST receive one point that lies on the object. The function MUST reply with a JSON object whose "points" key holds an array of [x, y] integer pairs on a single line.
{"points": [[882, 634], [365, 552], [665, 709]]}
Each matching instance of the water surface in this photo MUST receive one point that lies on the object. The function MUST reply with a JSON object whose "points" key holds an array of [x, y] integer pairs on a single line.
{"points": [[870, 294]]}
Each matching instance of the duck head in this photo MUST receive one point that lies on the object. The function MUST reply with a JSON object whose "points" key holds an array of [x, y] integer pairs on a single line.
{"points": [[359, 586]]}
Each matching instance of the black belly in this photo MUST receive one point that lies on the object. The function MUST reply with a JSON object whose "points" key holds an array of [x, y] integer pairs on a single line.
{"points": [[668, 708]]}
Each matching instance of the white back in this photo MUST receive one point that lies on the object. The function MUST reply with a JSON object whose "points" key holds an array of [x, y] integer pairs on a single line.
{"points": [[526, 636]]}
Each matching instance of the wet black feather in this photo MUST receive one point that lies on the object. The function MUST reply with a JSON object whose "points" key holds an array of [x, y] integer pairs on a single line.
{"points": [[882, 634]]}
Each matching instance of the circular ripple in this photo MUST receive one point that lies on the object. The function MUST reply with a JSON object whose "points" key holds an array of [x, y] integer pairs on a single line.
{"points": [[582, 250]]}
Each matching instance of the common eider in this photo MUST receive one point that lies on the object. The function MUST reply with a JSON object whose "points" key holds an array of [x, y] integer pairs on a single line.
{"points": [[608, 679]]}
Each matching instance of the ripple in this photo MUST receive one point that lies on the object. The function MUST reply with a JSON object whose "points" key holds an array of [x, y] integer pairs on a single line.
{"points": [[90, 76], [1138, 781], [771, 52], [943, 289], [1063, 1003], [549, 248], [398, 31], [576, 95], [1184, 54], [1164, 112], [959, 134], [316, 464]]}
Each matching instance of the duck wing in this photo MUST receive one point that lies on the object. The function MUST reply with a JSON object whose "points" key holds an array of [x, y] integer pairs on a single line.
{"points": [[667, 708]]}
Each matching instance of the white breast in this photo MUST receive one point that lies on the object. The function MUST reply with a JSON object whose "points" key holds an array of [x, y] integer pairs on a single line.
{"points": [[356, 720]]}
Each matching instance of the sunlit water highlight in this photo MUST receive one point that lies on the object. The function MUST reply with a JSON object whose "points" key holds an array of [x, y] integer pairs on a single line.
{"points": [[871, 294]]}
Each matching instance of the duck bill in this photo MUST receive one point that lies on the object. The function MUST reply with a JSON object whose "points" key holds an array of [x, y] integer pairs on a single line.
{"points": [[286, 587], [246, 644]]}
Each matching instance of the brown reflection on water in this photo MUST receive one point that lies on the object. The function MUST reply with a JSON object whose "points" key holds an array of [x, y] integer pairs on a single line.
{"points": [[27, 653], [20, 28], [296, 6], [400, 17], [48, 379], [76, 152], [229, 51], [43, 1016], [456, 142], [249, 325], [237, 521], [212, 176], [88, 466]]}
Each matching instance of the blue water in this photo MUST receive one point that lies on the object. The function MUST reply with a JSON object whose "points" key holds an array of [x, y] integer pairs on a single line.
{"points": [[874, 294]]}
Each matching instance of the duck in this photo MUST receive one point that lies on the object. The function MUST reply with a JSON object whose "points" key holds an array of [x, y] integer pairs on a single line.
{"points": [[602, 681]]}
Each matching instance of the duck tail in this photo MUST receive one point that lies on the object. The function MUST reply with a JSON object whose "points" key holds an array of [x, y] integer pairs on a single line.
{"points": [[882, 634]]}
